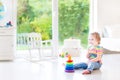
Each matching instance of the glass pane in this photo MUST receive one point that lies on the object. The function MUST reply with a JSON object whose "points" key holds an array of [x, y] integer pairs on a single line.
{"points": [[73, 20], [35, 16]]}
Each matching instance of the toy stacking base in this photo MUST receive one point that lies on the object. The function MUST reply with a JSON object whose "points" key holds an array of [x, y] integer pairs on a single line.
{"points": [[69, 65], [69, 70]]}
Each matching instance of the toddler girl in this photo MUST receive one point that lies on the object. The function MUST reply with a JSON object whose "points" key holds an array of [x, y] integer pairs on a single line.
{"points": [[94, 55]]}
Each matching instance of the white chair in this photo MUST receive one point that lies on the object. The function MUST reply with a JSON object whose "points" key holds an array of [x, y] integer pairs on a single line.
{"points": [[34, 42], [47, 47]]}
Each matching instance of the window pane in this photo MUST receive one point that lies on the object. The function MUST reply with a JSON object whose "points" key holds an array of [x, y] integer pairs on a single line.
{"points": [[73, 20], [35, 16]]}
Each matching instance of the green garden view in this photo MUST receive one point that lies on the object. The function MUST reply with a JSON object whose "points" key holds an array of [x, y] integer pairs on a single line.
{"points": [[36, 16]]}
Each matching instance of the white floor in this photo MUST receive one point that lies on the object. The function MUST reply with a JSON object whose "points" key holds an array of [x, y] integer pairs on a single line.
{"points": [[22, 69]]}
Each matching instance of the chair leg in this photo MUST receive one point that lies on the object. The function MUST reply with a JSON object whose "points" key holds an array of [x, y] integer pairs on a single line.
{"points": [[40, 56], [52, 52], [30, 54]]}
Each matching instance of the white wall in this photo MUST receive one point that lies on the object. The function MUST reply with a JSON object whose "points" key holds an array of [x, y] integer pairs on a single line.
{"points": [[104, 12], [108, 13]]}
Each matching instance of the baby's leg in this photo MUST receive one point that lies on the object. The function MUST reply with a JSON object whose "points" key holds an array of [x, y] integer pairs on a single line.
{"points": [[81, 65], [93, 65]]}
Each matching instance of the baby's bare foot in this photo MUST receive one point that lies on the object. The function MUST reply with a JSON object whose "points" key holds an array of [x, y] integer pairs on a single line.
{"points": [[86, 72]]}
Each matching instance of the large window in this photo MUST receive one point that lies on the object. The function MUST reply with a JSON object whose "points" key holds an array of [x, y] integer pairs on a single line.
{"points": [[41, 16]]}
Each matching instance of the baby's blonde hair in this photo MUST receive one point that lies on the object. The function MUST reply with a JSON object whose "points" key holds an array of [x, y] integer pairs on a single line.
{"points": [[96, 36]]}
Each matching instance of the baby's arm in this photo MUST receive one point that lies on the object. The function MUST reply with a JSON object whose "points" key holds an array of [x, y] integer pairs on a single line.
{"points": [[98, 58], [87, 56]]}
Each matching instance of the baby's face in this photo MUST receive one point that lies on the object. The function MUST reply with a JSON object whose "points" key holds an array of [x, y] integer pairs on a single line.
{"points": [[93, 41]]}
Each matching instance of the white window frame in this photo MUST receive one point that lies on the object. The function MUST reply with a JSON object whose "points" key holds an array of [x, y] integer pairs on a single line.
{"points": [[93, 16], [55, 27]]}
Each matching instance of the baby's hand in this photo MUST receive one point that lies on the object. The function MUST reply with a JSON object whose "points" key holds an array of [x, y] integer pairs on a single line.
{"points": [[87, 56]]}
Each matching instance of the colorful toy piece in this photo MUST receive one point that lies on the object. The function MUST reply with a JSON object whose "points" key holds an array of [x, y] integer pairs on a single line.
{"points": [[8, 24], [63, 54], [69, 65]]}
